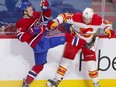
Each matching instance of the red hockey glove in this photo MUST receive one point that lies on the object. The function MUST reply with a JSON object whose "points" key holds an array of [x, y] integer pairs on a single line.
{"points": [[44, 4], [110, 33], [52, 25]]}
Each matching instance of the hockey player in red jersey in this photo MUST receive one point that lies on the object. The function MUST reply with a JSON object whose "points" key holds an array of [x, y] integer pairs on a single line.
{"points": [[31, 30], [85, 25]]}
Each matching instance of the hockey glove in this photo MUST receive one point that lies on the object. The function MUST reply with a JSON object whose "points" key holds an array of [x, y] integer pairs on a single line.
{"points": [[110, 33], [44, 4], [52, 25], [36, 30]]}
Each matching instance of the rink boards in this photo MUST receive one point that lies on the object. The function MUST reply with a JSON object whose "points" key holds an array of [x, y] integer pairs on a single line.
{"points": [[16, 59]]}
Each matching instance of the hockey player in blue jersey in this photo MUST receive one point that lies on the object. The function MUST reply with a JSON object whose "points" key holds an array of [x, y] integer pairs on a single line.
{"points": [[35, 34]]}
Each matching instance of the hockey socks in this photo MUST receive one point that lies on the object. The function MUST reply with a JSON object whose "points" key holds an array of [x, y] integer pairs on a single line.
{"points": [[94, 75], [33, 73], [64, 64], [93, 72]]}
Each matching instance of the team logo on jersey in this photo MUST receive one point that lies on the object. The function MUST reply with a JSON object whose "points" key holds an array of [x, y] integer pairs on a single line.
{"points": [[37, 23], [85, 30]]}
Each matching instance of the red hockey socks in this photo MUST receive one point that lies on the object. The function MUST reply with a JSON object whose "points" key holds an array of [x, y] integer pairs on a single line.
{"points": [[33, 73]]}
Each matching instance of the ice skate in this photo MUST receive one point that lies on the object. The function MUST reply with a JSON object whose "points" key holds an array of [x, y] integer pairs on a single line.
{"points": [[52, 83], [25, 84], [96, 84]]}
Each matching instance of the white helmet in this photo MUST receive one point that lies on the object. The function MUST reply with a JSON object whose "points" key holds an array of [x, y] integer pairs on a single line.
{"points": [[87, 15]]}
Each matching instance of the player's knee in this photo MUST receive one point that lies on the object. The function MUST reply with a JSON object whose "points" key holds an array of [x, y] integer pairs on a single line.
{"points": [[38, 68], [89, 55], [69, 52]]}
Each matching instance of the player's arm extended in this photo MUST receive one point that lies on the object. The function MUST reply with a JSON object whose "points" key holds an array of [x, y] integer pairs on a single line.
{"points": [[46, 15], [46, 11], [61, 18], [107, 26]]}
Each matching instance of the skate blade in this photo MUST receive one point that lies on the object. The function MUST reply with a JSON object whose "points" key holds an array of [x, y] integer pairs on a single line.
{"points": [[49, 85]]}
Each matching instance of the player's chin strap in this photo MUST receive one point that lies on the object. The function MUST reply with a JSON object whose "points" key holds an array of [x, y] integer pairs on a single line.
{"points": [[29, 15]]}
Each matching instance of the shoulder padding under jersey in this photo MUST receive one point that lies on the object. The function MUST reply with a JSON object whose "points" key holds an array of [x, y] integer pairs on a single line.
{"points": [[96, 20], [77, 17]]}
